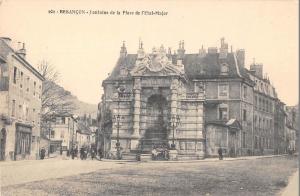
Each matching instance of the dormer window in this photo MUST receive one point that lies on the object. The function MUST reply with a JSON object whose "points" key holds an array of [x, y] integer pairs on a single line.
{"points": [[123, 71], [224, 69]]}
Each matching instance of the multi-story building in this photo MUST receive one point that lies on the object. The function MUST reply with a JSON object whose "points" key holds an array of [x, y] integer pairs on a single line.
{"points": [[280, 117], [83, 136], [291, 128], [20, 104], [196, 102], [63, 133], [264, 103]]}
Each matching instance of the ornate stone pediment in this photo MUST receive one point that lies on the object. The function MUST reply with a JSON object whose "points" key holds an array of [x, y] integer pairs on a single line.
{"points": [[156, 63]]}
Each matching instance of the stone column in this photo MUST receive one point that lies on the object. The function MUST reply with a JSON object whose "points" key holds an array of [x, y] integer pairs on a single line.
{"points": [[174, 87], [200, 120], [136, 114]]}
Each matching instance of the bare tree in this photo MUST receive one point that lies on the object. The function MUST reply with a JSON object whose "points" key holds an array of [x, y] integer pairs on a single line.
{"points": [[55, 99]]}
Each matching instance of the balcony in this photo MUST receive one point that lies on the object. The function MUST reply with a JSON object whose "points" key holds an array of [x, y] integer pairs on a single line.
{"points": [[193, 96]]}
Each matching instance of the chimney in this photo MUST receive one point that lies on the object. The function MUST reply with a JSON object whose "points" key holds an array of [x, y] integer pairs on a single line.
{"points": [[22, 51], [223, 49], [258, 69], [202, 52], [181, 50], [240, 55], [212, 50], [123, 51]]}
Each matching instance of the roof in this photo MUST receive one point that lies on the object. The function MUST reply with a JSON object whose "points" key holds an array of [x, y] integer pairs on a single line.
{"points": [[83, 129], [262, 86], [195, 66], [6, 49], [231, 123]]}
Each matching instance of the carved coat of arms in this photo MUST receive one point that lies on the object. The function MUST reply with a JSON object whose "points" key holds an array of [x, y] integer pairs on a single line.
{"points": [[157, 61]]}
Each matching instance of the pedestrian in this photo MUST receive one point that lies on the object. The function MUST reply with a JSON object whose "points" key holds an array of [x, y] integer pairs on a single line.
{"points": [[93, 153], [81, 153], [220, 152], [100, 153], [43, 152], [73, 153]]}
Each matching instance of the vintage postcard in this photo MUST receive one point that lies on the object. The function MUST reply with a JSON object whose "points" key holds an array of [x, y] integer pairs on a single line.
{"points": [[149, 97]]}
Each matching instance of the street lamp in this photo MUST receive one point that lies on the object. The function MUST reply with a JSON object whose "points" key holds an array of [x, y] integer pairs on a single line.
{"points": [[116, 119], [175, 121]]}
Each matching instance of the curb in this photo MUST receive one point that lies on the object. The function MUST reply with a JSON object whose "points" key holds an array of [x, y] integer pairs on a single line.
{"points": [[196, 161]]}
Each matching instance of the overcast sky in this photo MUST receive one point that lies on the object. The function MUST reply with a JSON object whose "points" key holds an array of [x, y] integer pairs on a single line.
{"points": [[85, 48]]}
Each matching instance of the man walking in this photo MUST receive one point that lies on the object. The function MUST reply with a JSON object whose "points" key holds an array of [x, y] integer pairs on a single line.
{"points": [[220, 152]]}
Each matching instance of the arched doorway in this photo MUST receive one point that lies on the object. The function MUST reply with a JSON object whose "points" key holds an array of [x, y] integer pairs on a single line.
{"points": [[2, 144], [157, 112]]}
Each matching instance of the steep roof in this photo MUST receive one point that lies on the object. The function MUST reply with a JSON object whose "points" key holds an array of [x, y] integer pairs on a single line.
{"points": [[195, 66], [6, 49], [83, 129]]}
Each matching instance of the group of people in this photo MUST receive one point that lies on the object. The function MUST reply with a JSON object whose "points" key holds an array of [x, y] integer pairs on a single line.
{"points": [[160, 152], [85, 152]]}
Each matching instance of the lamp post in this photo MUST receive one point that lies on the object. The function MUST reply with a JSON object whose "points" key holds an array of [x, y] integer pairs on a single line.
{"points": [[116, 119], [175, 121]]}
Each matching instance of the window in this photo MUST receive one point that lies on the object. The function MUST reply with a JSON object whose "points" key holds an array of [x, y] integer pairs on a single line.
{"points": [[63, 119], [244, 139], [52, 134], [27, 112], [20, 111], [223, 112], [244, 114], [224, 69], [256, 142], [15, 75], [34, 87], [62, 134], [33, 114], [223, 90], [245, 92], [27, 84], [13, 110], [255, 101], [21, 81]]}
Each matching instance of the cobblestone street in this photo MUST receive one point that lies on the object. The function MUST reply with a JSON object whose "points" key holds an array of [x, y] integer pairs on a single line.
{"points": [[267, 176]]}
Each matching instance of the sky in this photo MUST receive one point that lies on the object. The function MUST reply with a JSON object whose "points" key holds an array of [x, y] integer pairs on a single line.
{"points": [[85, 48]]}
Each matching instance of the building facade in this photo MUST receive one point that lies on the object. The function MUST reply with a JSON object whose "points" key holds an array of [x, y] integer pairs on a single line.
{"points": [[63, 133], [20, 104], [265, 98], [196, 102]]}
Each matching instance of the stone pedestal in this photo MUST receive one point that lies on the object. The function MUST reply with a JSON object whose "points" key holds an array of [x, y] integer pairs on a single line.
{"points": [[134, 144], [173, 154]]}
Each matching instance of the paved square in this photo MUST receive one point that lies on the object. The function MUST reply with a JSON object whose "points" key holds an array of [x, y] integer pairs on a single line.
{"points": [[267, 176]]}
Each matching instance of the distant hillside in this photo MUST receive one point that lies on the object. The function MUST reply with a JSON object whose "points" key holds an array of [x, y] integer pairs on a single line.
{"points": [[81, 107], [84, 108]]}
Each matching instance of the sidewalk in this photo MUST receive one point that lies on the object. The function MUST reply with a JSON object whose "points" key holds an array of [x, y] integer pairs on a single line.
{"points": [[292, 189], [202, 160]]}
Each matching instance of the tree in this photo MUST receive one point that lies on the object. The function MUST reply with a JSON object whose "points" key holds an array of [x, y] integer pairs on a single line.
{"points": [[54, 98]]}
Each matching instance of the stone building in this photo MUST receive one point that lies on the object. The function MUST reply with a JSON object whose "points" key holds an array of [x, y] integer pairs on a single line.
{"points": [[199, 102], [20, 104], [63, 132], [280, 117], [265, 98]]}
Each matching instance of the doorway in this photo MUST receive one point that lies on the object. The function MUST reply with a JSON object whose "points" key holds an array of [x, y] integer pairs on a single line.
{"points": [[2, 144]]}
